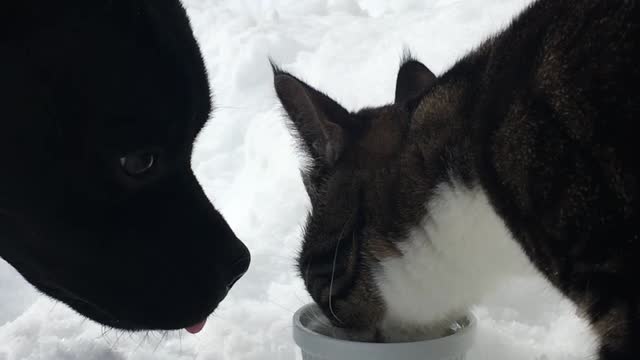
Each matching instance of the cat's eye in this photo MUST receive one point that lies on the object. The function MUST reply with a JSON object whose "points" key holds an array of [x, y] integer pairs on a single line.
{"points": [[138, 164]]}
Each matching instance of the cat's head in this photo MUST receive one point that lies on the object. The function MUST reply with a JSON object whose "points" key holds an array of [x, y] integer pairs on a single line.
{"points": [[355, 161]]}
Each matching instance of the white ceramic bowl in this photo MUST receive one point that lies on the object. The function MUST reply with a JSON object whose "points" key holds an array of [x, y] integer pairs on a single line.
{"points": [[317, 346]]}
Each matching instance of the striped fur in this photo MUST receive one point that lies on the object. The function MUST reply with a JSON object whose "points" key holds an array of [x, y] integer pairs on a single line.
{"points": [[533, 130]]}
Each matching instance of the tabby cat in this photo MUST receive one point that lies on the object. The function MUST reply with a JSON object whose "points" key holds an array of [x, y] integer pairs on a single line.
{"points": [[520, 156]]}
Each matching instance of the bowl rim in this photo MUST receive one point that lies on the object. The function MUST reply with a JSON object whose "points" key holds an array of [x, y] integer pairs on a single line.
{"points": [[318, 344]]}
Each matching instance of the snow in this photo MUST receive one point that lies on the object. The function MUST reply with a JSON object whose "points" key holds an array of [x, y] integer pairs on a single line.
{"points": [[245, 160]]}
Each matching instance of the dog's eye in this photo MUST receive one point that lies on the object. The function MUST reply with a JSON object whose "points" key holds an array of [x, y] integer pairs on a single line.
{"points": [[137, 164]]}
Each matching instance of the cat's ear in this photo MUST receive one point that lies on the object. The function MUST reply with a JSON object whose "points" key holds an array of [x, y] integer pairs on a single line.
{"points": [[414, 79], [315, 116]]}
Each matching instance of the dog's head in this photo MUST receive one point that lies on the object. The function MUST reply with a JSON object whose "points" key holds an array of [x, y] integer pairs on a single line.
{"points": [[101, 102]]}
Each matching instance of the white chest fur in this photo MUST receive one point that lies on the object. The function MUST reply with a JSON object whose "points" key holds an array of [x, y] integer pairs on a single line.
{"points": [[461, 251]]}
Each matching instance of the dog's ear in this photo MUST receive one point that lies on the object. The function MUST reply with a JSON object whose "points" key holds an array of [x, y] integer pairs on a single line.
{"points": [[317, 119], [413, 80]]}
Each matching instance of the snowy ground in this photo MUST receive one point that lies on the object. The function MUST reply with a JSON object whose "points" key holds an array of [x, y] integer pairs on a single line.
{"points": [[244, 159]]}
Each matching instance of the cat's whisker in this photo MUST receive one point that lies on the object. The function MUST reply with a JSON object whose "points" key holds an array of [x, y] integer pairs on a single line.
{"points": [[281, 307], [301, 301], [319, 317], [333, 268], [306, 272]]}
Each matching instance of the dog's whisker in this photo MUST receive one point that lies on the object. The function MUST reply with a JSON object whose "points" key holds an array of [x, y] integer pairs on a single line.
{"points": [[140, 344], [164, 334], [105, 335], [115, 344], [53, 306]]}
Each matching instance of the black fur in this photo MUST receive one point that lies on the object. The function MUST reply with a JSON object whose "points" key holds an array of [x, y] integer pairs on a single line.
{"points": [[100, 104]]}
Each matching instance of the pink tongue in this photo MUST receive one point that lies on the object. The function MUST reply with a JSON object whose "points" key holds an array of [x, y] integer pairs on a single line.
{"points": [[194, 329]]}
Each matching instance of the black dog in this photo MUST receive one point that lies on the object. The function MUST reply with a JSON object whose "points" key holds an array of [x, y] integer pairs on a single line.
{"points": [[100, 103]]}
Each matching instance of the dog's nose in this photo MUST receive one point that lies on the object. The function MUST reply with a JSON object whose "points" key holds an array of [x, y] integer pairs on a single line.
{"points": [[238, 269]]}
